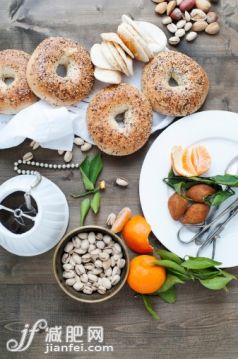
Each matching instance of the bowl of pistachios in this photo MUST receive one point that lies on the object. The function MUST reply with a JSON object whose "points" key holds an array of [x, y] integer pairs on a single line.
{"points": [[91, 264]]}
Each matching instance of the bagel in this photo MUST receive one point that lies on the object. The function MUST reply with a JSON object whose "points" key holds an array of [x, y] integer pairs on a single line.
{"points": [[192, 84], [16, 95], [130, 134], [42, 71]]}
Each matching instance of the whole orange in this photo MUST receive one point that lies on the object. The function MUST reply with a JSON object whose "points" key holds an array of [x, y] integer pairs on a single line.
{"points": [[145, 277], [135, 234]]}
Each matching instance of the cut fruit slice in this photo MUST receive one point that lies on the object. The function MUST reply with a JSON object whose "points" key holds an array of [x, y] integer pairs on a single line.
{"points": [[138, 33], [108, 76], [181, 163], [155, 37], [117, 57], [200, 159], [127, 60], [108, 55], [112, 36], [98, 58], [132, 42]]}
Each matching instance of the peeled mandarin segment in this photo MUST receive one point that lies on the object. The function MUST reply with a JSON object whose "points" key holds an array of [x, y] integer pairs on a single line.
{"points": [[135, 234], [177, 156], [144, 276], [187, 162], [201, 159], [123, 217]]}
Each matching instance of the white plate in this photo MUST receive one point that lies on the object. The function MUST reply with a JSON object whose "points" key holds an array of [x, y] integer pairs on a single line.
{"points": [[217, 130]]}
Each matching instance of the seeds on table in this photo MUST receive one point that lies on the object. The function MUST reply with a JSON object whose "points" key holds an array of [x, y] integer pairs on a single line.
{"points": [[121, 182], [28, 156], [86, 147], [96, 270], [213, 28], [68, 156], [187, 15], [191, 36]]}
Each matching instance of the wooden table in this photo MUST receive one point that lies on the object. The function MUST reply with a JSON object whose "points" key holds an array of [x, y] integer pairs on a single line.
{"points": [[202, 324]]}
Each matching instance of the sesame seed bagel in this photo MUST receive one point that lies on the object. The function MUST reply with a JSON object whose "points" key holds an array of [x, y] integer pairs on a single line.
{"points": [[42, 71], [125, 136], [16, 95], [192, 84]]}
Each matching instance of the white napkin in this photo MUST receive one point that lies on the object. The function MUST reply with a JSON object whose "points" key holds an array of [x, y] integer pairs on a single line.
{"points": [[54, 127]]}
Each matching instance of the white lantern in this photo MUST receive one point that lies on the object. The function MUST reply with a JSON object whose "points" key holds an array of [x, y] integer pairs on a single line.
{"points": [[34, 215]]}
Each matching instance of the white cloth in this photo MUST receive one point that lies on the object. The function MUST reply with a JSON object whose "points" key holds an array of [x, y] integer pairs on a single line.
{"points": [[54, 127]]}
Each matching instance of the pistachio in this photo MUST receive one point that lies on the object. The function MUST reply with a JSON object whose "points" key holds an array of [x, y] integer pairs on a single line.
{"points": [[181, 24], [122, 263], [85, 244], [101, 290], [110, 219], [35, 145], [172, 28], [70, 281], [105, 282], [107, 239], [28, 156], [174, 40], [213, 28], [166, 20], [84, 278], [211, 17], [68, 156], [69, 246], [121, 182], [198, 15], [187, 16], [87, 290], [78, 285], [69, 274], [115, 279], [180, 33], [68, 266], [188, 26], [199, 26], [191, 36], [78, 141], [61, 152], [171, 6], [65, 258], [76, 258], [161, 8], [83, 235], [204, 5], [86, 147], [91, 237]]}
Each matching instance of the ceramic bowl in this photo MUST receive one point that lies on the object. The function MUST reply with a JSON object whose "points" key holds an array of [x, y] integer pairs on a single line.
{"points": [[58, 269]]}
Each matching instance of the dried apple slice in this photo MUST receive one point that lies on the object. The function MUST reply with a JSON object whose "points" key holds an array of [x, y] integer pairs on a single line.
{"points": [[127, 59], [98, 58], [113, 37], [117, 57], [108, 76]]}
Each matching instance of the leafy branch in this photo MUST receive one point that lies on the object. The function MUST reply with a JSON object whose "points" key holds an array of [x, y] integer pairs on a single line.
{"points": [[181, 271]]}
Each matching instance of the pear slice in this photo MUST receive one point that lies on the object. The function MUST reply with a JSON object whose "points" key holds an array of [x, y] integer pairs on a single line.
{"points": [[132, 42], [108, 76], [127, 59], [117, 57], [113, 37], [98, 58]]}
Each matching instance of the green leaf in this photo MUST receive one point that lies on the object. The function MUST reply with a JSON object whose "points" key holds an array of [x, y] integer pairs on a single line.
{"points": [[168, 255], [170, 264], [205, 273], [227, 180], [149, 307], [169, 296], [199, 263], [218, 198], [85, 165], [171, 280], [89, 186], [216, 283], [95, 202], [96, 167], [84, 208], [227, 274]]}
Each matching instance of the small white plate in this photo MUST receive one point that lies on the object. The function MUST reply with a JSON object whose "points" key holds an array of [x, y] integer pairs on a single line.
{"points": [[217, 130]]}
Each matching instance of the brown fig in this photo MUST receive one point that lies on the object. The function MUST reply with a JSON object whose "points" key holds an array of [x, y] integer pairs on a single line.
{"points": [[177, 206], [196, 213], [198, 192]]}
